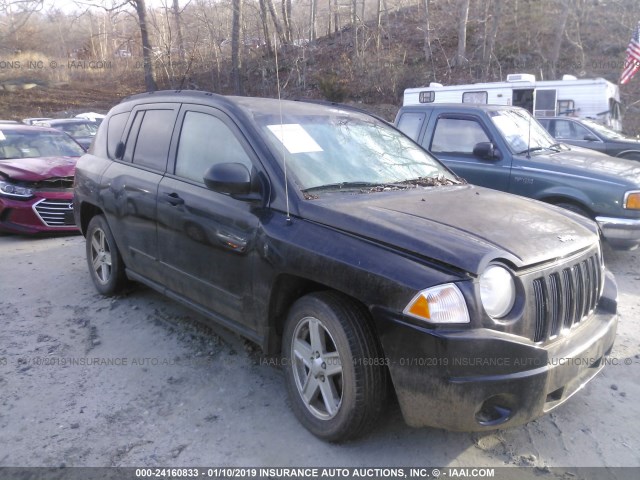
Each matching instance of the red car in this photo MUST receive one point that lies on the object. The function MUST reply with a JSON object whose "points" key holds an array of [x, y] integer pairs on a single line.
{"points": [[36, 179]]}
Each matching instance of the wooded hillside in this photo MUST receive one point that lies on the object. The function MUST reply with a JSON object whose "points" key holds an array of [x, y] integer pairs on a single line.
{"points": [[365, 51]]}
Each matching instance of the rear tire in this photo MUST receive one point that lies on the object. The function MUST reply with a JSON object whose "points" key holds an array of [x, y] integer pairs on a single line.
{"points": [[335, 374], [103, 257]]}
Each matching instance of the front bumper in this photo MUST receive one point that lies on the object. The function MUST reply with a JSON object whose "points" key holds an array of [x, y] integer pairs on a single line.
{"points": [[620, 233], [481, 379], [46, 212]]}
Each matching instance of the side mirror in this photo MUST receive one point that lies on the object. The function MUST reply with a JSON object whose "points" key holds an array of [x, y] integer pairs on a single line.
{"points": [[590, 137], [485, 150], [229, 178]]}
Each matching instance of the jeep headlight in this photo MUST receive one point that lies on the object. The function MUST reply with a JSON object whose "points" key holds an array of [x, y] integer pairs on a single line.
{"points": [[440, 304], [13, 190], [497, 291]]}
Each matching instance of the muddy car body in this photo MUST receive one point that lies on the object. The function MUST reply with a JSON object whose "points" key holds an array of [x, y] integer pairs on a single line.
{"points": [[329, 238]]}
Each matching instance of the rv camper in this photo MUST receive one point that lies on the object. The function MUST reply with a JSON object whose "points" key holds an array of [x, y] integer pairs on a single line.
{"points": [[594, 98]]}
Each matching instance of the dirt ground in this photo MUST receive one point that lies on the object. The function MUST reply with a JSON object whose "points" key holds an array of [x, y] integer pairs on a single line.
{"points": [[135, 381]]}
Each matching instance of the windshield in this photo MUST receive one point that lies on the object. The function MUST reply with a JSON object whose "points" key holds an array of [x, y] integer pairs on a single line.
{"points": [[78, 129], [606, 132], [36, 143], [340, 149], [521, 131]]}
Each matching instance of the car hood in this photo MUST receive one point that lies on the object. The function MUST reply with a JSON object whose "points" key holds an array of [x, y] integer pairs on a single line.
{"points": [[591, 161], [37, 169], [463, 226]]}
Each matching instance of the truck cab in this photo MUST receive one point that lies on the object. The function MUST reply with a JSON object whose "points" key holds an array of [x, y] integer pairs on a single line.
{"points": [[505, 148]]}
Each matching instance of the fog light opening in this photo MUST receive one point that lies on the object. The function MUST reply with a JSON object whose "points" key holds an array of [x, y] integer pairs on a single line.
{"points": [[556, 395], [597, 363], [494, 411]]}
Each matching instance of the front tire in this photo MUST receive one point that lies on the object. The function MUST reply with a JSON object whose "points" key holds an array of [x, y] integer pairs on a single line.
{"points": [[103, 257], [574, 208], [335, 374]]}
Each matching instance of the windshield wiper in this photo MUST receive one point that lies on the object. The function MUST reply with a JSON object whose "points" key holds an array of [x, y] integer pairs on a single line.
{"points": [[428, 181], [529, 150], [340, 186]]}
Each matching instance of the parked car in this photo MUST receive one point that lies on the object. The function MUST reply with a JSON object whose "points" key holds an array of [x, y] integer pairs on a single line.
{"points": [[36, 179], [328, 237], [92, 117], [31, 121], [591, 134], [81, 130], [505, 148]]}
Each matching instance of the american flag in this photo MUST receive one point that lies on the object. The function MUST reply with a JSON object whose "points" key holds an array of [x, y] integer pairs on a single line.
{"points": [[632, 63]]}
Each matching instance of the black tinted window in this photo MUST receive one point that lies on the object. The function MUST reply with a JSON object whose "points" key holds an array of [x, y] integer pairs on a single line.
{"points": [[114, 132], [204, 141], [152, 146]]}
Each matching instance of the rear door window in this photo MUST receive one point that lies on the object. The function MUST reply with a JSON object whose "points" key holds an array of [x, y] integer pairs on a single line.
{"points": [[154, 137]]}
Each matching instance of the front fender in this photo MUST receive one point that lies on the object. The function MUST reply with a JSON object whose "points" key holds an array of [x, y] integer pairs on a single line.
{"points": [[566, 193]]}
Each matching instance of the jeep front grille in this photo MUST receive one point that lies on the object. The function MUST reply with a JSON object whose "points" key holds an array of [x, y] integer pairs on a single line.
{"points": [[55, 213], [566, 297]]}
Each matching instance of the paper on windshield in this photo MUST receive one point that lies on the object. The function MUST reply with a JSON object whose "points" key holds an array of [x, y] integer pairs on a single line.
{"points": [[295, 138], [2, 137]]}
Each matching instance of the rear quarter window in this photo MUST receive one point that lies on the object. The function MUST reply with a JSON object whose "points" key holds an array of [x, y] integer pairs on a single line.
{"points": [[410, 123], [114, 132]]}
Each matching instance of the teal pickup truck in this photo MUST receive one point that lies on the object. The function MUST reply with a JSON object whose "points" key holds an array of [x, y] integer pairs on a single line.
{"points": [[505, 148]]}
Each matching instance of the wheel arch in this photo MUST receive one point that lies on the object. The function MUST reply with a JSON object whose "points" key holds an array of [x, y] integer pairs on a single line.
{"points": [[629, 154], [87, 212], [555, 199], [286, 290]]}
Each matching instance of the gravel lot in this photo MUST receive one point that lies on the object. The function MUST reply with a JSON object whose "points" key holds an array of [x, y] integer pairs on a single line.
{"points": [[136, 381]]}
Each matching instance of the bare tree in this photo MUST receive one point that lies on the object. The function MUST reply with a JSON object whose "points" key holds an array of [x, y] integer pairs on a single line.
{"points": [[463, 17], [428, 52], [14, 14], [265, 25], [276, 21], [177, 20], [379, 23], [313, 11], [286, 19], [491, 36], [236, 61], [558, 36], [354, 26], [147, 50]]}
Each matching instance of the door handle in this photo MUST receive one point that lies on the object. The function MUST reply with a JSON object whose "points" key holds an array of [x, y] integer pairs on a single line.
{"points": [[174, 199]]}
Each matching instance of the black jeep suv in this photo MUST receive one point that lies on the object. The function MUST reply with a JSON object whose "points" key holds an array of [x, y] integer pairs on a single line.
{"points": [[328, 237]]}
